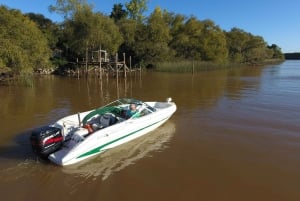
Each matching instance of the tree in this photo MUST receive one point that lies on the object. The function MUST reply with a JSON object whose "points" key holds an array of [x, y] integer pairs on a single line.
{"points": [[213, 43], [187, 39], [152, 40], [276, 52], [23, 47], [136, 8], [175, 22], [127, 28], [255, 50], [91, 30], [50, 30], [118, 12], [67, 8], [244, 47], [236, 39]]}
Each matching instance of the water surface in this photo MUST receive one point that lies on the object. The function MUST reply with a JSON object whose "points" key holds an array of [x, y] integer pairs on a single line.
{"points": [[235, 136]]}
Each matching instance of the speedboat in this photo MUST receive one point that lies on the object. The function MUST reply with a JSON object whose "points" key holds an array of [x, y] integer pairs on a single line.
{"points": [[83, 135]]}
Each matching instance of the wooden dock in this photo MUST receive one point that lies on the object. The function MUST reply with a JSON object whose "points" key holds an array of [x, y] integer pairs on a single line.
{"points": [[97, 62]]}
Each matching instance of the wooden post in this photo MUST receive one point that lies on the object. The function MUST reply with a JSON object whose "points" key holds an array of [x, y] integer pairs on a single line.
{"points": [[77, 67], [124, 65], [117, 65], [130, 63], [100, 62], [117, 75], [86, 61], [193, 70], [140, 71]]}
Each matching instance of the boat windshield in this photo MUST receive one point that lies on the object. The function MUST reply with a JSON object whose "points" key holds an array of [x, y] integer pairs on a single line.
{"points": [[123, 104], [125, 101], [128, 101], [119, 108]]}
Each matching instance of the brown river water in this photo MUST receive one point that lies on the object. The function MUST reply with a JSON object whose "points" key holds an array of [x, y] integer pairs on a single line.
{"points": [[235, 136]]}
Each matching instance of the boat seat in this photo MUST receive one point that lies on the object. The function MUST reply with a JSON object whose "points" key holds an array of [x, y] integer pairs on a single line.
{"points": [[107, 120]]}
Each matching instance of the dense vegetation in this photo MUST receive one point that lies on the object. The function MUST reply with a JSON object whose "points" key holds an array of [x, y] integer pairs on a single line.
{"points": [[23, 46], [30, 41]]}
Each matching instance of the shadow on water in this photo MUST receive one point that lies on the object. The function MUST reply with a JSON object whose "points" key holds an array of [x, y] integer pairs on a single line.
{"points": [[20, 150]]}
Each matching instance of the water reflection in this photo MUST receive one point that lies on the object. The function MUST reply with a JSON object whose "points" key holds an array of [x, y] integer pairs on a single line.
{"points": [[124, 155], [240, 82]]}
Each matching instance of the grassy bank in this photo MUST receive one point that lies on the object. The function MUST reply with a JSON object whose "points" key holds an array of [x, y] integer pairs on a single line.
{"points": [[191, 66], [197, 66]]}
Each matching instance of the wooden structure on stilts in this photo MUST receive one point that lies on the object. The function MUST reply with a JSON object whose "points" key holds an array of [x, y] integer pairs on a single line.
{"points": [[98, 63]]}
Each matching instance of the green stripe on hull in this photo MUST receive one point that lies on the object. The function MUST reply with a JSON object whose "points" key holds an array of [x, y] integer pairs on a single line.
{"points": [[100, 148]]}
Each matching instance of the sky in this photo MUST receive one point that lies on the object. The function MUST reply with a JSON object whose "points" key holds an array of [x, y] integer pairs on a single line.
{"points": [[277, 21]]}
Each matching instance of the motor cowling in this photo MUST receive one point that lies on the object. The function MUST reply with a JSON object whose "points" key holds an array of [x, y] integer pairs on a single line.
{"points": [[46, 140]]}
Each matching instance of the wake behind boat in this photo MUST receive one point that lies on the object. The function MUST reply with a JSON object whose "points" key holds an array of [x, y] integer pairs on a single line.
{"points": [[80, 136]]}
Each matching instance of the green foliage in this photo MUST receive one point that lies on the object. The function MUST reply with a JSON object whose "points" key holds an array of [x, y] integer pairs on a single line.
{"points": [[136, 8], [128, 29], [246, 48], [151, 42], [23, 47], [275, 52], [175, 22], [50, 30], [91, 30], [67, 8], [186, 39], [255, 51], [212, 43], [200, 40], [59, 61], [118, 12]]}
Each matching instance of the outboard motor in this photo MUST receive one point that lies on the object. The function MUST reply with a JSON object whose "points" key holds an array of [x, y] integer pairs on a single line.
{"points": [[46, 140]]}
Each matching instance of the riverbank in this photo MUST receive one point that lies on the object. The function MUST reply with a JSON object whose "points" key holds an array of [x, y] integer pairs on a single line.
{"points": [[7, 77], [197, 66], [185, 66]]}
